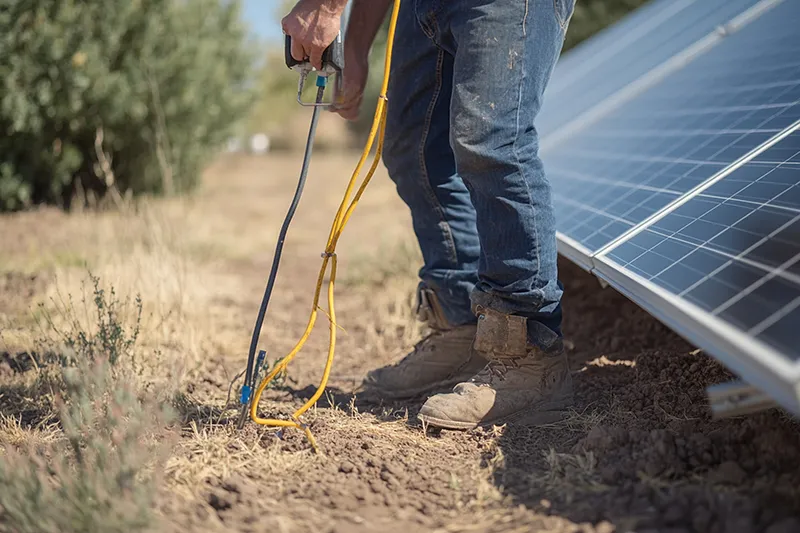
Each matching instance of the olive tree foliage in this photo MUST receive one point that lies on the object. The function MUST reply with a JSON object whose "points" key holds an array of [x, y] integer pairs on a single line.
{"points": [[116, 96], [591, 16]]}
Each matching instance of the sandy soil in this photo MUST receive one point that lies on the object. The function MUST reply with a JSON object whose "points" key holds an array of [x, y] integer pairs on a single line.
{"points": [[638, 453]]}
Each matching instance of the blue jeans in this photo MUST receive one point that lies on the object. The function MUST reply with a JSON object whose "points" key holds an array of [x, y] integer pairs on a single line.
{"points": [[466, 85]]}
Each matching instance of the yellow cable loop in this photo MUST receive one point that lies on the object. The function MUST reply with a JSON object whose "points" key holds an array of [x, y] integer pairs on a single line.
{"points": [[343, 215]]}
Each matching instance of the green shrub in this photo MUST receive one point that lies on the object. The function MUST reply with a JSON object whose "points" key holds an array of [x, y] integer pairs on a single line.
{"points": [[112, 334], [591, 16], [134, 95]]}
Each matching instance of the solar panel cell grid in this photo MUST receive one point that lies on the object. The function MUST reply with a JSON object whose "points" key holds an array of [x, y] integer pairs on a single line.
{"points": [[628, 50], [734, 249], [673, 137]]}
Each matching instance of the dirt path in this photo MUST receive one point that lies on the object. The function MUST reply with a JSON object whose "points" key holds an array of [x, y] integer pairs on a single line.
{"points": [[639, 452]]}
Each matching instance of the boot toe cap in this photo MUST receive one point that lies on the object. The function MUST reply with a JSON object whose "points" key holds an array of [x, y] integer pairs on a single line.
{"points": [[447, 411]]}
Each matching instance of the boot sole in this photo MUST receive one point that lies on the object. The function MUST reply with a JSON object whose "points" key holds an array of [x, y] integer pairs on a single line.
{"points": [[535, 416]]}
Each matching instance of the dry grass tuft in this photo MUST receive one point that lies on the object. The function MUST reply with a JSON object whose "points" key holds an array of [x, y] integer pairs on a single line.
{"points": [[14, 434], [215, 451], [581, 422], [143, 250], [567, 474], [139, 257]]}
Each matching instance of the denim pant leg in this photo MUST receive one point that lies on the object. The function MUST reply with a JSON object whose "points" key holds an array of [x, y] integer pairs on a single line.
{"points": [[420, 161], [504, 53]]}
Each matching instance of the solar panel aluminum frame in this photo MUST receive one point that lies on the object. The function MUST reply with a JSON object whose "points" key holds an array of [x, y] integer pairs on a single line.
{"points": [[574, 251], [758, 363], [721, 174]]}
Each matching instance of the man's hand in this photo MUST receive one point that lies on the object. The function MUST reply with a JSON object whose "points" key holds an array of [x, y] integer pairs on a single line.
{"points": [[356, 72], [313, 25], [366, 18]]}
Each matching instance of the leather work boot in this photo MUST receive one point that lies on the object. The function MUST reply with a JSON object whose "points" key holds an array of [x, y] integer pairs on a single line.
{"points": [[439, 361], [521, 383]]}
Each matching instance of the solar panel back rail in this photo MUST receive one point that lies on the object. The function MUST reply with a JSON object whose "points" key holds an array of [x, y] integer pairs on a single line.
{"points": [[678, 181]]}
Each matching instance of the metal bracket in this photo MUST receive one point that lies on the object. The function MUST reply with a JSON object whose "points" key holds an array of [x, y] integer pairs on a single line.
{"points": [[737, 398]]}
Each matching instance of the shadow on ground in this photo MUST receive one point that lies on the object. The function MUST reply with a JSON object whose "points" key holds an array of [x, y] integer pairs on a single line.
{"points": [[23, 398], [637, 453], [640, 450]]}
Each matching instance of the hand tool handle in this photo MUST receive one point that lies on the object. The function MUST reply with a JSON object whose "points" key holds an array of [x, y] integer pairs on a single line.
{"points": [[332, 57]]}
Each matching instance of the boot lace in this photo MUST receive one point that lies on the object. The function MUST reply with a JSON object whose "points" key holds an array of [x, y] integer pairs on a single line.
{"points": [[495, 369], [424, 345]]}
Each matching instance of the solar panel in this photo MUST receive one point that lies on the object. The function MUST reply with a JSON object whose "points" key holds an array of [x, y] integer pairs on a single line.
{"points": [[681, 186], [626, 166], [625, 51], [733, 249]]}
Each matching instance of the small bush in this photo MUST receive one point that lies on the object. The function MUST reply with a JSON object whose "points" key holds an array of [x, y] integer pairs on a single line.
{"points": [[102, 472], [115, 96], [110, 338], [102, 475]]}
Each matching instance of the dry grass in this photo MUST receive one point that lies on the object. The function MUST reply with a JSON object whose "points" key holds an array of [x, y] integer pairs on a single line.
{"points": [[568, 471], [197, 265], [217, 452], [140, 256], [15, 435]]}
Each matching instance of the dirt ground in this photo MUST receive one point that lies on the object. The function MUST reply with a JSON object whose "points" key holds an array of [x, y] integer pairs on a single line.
{"points": [[639, 452]]}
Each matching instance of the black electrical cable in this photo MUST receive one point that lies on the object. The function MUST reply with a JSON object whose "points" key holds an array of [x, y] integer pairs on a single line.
{"points": [[249, 379]]}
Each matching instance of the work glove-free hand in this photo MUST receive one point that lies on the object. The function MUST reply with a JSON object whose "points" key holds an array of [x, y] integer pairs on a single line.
{"points": [[356, 71], [313, 25]]}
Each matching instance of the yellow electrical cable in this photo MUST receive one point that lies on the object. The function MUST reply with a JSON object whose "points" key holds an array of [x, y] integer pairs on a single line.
{"points": [[329, 257]]}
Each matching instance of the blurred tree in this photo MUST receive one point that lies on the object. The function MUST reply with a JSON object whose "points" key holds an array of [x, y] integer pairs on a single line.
{"points": [[116, 95], [276, 86], [592, 16]]}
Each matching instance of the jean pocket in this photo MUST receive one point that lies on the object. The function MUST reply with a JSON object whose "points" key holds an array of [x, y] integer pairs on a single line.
{"points": [[564, 10]]}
